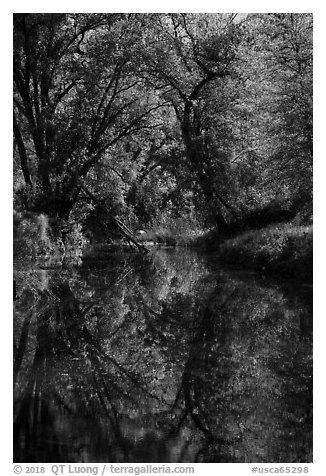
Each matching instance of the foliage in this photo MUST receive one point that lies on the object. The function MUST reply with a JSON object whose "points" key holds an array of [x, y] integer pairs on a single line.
{"points": [[35, 239], [280, 104], [173, 231], [280, 249], [69, 110], [162, 116], [31, 236]]}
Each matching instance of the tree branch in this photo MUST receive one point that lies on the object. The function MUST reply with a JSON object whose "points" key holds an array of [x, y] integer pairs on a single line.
{"points": [[242, 153]]}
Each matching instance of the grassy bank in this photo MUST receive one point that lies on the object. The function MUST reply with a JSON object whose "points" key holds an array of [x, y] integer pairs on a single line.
{"points": [[283, 249]]}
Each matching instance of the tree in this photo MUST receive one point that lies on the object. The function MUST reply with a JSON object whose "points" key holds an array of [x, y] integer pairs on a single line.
{"points": [[76, 96], [165, 109], [188, 53], [277, 105], [288, 42]]}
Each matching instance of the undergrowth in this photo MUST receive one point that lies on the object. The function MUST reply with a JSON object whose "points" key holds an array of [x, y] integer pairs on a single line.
{"points": [[284, 249], [36, 240]]}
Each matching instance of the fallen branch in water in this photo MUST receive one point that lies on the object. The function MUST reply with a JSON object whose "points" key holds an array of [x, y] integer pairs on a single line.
{"points": [[121, 226]]}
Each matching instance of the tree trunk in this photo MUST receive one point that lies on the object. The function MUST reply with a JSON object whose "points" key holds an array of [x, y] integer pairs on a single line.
{"points": [[22, 154], [195, 157]]}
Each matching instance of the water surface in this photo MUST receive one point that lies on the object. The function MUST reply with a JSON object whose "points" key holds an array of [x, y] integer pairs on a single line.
{"points": [[167, 357]]}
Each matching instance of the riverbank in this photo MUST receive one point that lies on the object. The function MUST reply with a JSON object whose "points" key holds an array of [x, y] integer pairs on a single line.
{"points": [[282, 249]]}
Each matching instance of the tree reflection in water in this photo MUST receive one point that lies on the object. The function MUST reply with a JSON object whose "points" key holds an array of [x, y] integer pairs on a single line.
{"points": [[167, 358]]}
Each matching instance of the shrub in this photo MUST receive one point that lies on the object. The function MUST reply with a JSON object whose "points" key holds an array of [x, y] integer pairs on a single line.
{"points": [[31, 235], [36, 238], [282, 249]]}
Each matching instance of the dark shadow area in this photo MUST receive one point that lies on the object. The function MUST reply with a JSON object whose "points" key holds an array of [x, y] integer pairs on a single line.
{"points": [[161, 358]]}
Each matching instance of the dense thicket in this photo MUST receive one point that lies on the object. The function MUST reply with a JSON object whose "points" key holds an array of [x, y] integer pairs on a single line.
{"points": [[207, 117]]}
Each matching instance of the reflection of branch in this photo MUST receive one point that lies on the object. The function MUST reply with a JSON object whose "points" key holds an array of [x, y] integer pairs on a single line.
{"points": [[62, 403], [189, 404], [89, 339], [21, 350], [112, 416]]}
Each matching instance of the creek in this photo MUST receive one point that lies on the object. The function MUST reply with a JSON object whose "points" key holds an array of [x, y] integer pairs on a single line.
{"points": [[164, 357]]}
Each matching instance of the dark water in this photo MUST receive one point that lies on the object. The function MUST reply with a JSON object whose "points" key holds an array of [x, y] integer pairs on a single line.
{"points": [[162, 358]]}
